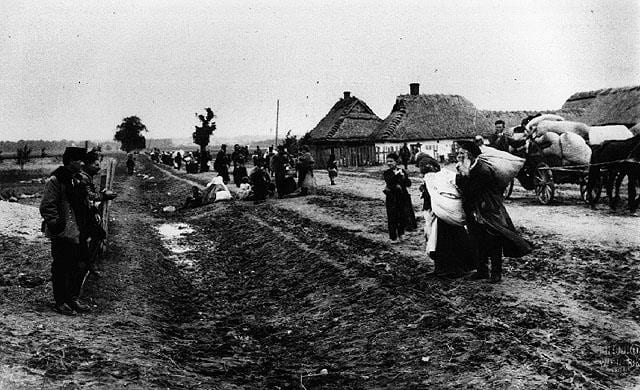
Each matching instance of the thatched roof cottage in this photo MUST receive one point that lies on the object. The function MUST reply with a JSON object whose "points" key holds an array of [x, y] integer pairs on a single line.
{"points": [[610, 106], [346, 132], [430, 123]]}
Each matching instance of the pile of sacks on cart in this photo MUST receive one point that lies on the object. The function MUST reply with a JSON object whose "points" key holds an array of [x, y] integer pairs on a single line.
{"points": [[569, 142]]}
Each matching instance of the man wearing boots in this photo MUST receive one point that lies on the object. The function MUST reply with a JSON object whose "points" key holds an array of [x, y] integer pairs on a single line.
{"points": [[489, 223], [65, 211]]}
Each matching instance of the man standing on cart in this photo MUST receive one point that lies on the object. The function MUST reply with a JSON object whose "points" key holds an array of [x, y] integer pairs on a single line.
{"points": [[499, 139]]}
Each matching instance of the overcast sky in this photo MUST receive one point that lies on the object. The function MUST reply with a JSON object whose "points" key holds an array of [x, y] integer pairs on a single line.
{"points": [[74, 69]]}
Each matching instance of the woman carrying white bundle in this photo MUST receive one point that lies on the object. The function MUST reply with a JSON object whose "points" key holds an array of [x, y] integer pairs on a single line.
{"points": [[448, 245]]}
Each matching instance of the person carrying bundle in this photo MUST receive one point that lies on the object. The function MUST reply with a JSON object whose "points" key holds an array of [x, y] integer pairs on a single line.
{"points": [[448, 243], [489, 223], [305, 165], [400, 215]]}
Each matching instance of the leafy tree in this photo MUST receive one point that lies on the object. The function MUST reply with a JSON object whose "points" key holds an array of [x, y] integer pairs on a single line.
{"points": [[202, 136], [22, 155], [291, 144], [129, 134]]}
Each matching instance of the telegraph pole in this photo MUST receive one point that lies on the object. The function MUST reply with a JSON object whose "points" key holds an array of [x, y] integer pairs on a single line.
{"points": [[277, 117]]}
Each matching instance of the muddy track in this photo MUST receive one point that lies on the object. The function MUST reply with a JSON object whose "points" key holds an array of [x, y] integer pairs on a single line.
{"points": [[583, 319], [271, 295]]}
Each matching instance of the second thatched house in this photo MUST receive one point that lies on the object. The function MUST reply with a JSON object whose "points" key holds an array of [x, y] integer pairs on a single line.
{"points": [[429, 123], [345, 132], [610, 106]]}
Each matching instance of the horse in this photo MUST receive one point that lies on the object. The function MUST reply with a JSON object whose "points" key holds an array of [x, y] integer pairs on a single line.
{"points": [[622, 158]]}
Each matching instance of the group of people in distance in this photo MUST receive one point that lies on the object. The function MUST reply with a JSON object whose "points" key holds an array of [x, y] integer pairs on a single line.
{"points": [[257, 184], [71, 221], [477, 244], [176, 159]]}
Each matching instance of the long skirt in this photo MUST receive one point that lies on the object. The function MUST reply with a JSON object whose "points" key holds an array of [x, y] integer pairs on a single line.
{"points": [[455, 253]]}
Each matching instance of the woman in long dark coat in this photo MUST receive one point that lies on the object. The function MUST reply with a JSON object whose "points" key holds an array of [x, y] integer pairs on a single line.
{"points": [[454, 254], [400, 214], [221, 164]]}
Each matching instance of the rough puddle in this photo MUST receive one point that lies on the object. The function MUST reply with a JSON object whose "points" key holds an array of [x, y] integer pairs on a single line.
{"points": [[173, 237]]}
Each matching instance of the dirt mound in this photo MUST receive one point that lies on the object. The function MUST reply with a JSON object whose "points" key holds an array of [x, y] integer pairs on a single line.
{"points": [[19, 220]]}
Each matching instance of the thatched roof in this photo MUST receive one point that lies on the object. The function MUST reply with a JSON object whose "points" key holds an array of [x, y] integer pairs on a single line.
{"points": [[611, 106], [423, 117], [349, 119]]}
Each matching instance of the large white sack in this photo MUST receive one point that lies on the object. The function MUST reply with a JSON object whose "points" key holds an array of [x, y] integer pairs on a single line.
{"points": [[216, 191], [533, 123], [561, 127], [574, 149], [549, 141], [446, 200], [505, 164], [599, 134]]}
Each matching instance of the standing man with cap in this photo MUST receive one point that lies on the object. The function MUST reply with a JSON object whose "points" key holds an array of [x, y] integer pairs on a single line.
{"points": [[405, 156], [499, 139], [488, 221], [95, 234], [65, 212]]}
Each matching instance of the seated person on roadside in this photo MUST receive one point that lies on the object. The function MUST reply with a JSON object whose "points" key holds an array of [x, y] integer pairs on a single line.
{"points": [[490, 227], [193, 200], [65, 212], [245, 189], [260, 183], [239, 171]]}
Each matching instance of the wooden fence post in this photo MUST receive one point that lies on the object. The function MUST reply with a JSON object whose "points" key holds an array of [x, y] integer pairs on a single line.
{"points": [[106, 183]]}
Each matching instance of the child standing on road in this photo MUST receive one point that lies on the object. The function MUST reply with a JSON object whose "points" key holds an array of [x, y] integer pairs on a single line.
{"points": [[397, 195], [332, 169]]}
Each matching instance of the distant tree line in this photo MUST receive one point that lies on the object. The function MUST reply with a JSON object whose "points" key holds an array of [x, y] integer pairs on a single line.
{"points": [[50, 148]]}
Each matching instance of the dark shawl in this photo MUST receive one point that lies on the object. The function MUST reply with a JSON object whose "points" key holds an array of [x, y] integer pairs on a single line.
{"points": [[483, 204]]}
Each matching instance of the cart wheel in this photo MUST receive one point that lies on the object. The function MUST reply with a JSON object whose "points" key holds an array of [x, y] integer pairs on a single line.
{"points": [[543, 179], [508, 190]]}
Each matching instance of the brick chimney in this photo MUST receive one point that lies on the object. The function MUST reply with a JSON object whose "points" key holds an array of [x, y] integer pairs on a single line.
{"points": [[347, 95], [414, 89]]}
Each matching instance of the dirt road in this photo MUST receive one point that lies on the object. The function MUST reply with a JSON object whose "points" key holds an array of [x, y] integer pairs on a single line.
{"points": [[307, 293]]}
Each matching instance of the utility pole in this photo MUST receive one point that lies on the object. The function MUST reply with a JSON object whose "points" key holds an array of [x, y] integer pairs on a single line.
{"points": [[277, 117]]}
